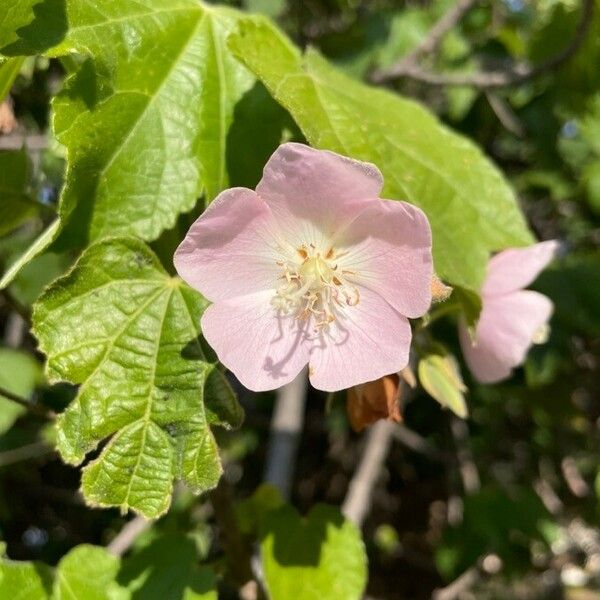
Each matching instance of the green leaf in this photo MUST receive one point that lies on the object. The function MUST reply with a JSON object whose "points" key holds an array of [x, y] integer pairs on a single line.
{"points": [[19, 374], [143, 142], [88, 572], [9, 70], [16, 206], [24, 580], [30, 27], [165, 568], [252, 511], [129, 333], [440, 377], [145, 118], [168, 568], [471, 207], [321, 557]]}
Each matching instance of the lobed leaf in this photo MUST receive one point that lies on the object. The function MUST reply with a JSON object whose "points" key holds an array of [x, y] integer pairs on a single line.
{"points": [[145, 118], [121, 327]]}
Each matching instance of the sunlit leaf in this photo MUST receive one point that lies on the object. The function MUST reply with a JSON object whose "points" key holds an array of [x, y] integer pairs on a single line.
{"points": [[321, 557], [471, 207], [129, 333]]}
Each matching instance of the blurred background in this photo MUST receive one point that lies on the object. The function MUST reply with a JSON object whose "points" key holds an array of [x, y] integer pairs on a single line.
{"points": [[504, 505]]}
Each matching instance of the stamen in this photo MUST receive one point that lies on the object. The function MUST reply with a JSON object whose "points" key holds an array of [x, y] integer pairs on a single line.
{"points": [[312, 290]]}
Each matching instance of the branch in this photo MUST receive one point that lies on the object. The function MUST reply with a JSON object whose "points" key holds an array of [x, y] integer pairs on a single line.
{"points": [[34, 450], [239, 555], [466, 465], [486, 80], [15, 141], [16, 305], [463, 583], [286, 426], [127, 536], [413, 441], [35, 409], [434, 37], [358, 499]]}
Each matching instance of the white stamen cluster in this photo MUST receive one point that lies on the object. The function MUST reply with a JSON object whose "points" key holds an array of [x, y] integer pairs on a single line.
{"points": [[314, 287]]}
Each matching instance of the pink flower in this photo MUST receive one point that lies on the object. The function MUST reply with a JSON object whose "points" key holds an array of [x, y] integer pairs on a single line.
{"points": [[312, 267], [512, 319]]}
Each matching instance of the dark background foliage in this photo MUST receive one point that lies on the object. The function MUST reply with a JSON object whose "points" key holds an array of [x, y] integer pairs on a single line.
{"points": [[509, 499]]}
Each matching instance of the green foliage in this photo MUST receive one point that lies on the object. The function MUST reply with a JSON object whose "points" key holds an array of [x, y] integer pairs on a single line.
{"points": [[126, 331], [497, 522], [321, 557], [142, 145], [251, 513], [19, 374], [472, 210], [16, 206], [166, 568], [9, 69]]}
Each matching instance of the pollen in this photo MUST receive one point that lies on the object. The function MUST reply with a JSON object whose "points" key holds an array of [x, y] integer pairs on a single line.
{"points": [[315, 290]]}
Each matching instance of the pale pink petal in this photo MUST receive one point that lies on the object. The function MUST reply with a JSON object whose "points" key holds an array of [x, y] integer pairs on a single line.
{"points": [[516, 268], [505, 332], [262, 350], [387, 248], [229, 251], [313, 193], [367, 341]]}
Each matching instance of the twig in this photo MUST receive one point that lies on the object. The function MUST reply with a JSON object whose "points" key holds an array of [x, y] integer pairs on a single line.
{"points": [[466, 464], [238, 553], [429, 44], [434, 37], [358, 499], [505, 114], [10, 457], [14, 331], [121, 543], [16, 305], [485, 80], [464, 582], [15, 141], [413, 441], [286, 426], [35, 409]]}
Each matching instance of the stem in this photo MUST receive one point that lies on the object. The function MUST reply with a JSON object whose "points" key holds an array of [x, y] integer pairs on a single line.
{"points": [[237, 550], [34, 450], [128, 535], [34, 409], [436, 314], [286, 427], [358, 499]]}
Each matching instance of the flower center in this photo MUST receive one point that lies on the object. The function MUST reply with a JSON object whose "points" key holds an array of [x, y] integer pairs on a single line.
{"points": [[314, 287]]}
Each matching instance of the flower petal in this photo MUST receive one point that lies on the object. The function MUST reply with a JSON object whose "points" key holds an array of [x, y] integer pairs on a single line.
{"points": [[505, 332], [228, 251], [516, 268], [262, 350], [366, 342], [388, 248], [313, 193]]}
